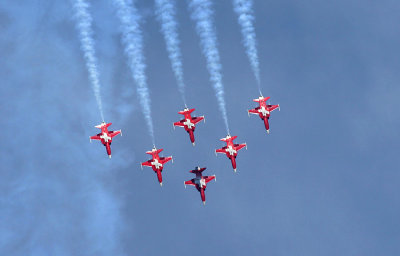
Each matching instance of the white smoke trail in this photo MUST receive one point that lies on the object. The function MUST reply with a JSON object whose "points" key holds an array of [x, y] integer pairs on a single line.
{"points": [[84, 26], [202, 15], [244, 10], [132, 40], [165, 10]]}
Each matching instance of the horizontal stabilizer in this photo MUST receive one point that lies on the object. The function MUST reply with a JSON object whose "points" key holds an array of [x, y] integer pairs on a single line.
{"points": [[262, 99], [102, 125], [198, 170], [186, 111], [228, 138], [154, 151]]}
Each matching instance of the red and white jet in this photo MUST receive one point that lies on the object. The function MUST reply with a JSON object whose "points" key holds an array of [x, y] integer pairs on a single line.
{"points": [[200, 182], [105, 136], [189, 122], [157, 162], [231, 149], [264, 110]]}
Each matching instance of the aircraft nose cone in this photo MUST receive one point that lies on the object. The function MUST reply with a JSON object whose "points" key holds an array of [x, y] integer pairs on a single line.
{"points": [[160, 184], [109, 156], [204, 202], [234, 170]]}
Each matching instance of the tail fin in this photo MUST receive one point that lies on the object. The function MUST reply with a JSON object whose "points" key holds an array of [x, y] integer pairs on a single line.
{"points": [[102, 125], [198, 170], [226, 139], [189, 111], [261, 99], [153, 152]]}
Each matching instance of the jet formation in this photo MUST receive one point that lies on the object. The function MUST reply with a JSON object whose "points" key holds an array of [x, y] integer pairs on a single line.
{"points": [[189, 124]]}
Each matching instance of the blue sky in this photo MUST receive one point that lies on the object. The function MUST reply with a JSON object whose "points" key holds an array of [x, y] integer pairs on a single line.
{"points": [[324, 182]]}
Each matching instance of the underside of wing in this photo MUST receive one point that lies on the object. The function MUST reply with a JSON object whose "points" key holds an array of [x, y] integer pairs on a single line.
{"points": [[180, 123], [254, 111], [197, 119], [272, 107], [114, 133], [221, 150], [163, 160], [190, 182], [239, 146], [95, 137], [147, 163], [209, 178]]}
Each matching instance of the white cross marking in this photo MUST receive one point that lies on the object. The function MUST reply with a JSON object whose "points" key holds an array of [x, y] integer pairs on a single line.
{"points": [[188, 123], [156, 164], [263, 111], [202, 182], [105, 137], [230, 150]]}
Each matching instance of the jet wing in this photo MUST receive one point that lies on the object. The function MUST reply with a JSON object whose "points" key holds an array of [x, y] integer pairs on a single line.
{"points": [[209, 178], [239, 146], [95, 137], [197, 119], [114, 133], [190, 182], [147, 163], [272, 107], [254, 111], [180, 123], [221, 150], [163, 160]]}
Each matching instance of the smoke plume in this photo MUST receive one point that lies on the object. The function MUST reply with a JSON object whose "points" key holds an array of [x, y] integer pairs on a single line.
{"points": [[132, 40], [202, 15], [244, 10], [84, 26], [166, 11]]}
